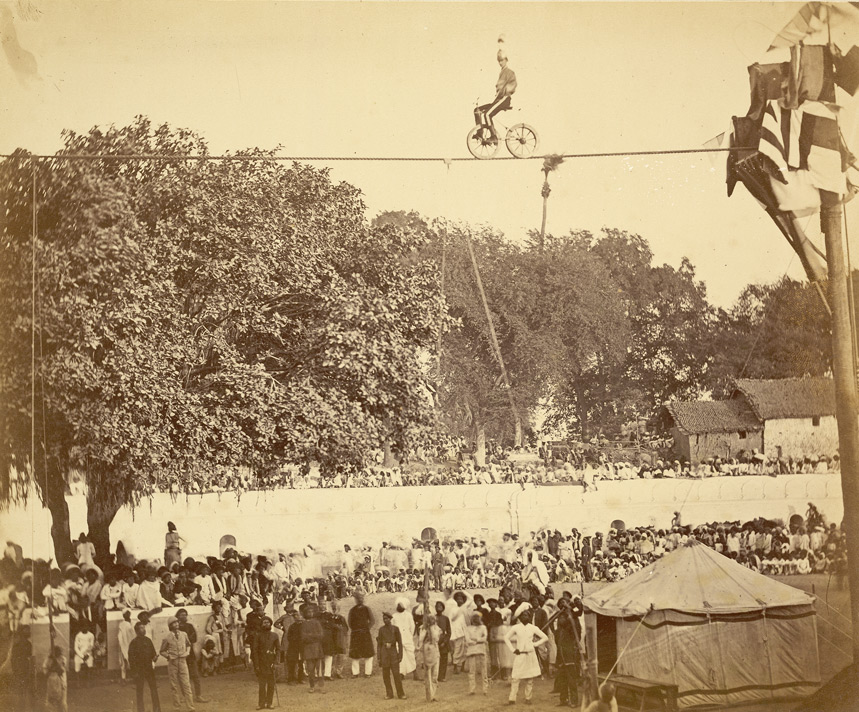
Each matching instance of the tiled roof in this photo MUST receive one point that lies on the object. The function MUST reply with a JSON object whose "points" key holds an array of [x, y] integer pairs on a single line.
{"points": [[713, 417], [788, 397]]}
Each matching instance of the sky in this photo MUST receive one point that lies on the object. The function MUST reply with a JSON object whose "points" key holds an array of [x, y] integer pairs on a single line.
{"points": [[397, 79]]}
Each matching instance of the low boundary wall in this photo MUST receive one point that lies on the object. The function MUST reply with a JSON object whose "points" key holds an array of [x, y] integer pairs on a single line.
{"points": [[287, 520]]}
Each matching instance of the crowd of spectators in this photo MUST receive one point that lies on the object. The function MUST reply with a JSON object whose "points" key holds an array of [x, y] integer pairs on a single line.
{"points": [[451, 463], [522, 469], [239, 588], [85, 590]]}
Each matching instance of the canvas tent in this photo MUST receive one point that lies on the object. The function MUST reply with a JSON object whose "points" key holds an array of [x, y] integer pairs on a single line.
{"points": [[719, 631]]}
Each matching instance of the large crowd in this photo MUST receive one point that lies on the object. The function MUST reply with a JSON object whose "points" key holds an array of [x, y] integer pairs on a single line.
{"points": [[240, 588], [524, 468]]}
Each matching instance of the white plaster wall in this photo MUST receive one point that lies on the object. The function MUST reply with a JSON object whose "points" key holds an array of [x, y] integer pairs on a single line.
{"points": [[798, 437], [287, 520]]}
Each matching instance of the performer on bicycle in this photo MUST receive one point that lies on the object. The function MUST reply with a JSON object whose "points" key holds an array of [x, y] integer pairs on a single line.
{"points": [[504, 88]]}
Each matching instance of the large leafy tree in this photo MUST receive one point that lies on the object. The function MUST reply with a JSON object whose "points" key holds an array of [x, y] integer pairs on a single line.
{"points": [[195, 316], [652, 324], [472, 392], [778, 330], [584, 332]]}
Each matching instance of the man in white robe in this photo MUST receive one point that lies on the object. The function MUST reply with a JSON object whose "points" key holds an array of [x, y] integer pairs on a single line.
{"points": [[404, 620]]}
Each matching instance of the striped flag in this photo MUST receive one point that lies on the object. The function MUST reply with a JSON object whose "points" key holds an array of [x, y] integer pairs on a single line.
{"points": [[805, 139], [831, 25]]}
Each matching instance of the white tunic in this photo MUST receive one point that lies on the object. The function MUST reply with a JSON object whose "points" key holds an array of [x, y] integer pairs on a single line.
{"points": [[406, 623], [525, 639]]}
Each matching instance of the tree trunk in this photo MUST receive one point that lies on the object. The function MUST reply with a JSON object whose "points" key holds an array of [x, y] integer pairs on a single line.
{"points": [[61, 534], [581, 407], [52, 487], [517, 435], [99, 516], [480, 444], [389, 459]]}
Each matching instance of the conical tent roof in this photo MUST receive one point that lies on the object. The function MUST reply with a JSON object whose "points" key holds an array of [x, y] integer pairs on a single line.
{"points": [[694, 579]]}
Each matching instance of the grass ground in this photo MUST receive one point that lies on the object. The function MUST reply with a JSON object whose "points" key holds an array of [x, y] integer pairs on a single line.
{"points": [[238, 691]]}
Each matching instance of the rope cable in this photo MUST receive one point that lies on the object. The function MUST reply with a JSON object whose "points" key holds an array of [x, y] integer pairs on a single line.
{"points": [[33, 387], [851, 297], [424, 159], [640, 623], [834, 610], [849, 656]]}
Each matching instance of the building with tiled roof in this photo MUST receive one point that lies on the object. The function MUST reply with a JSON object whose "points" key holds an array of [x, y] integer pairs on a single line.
{"points": [[788, 417], [798, 415], [708, 429]]}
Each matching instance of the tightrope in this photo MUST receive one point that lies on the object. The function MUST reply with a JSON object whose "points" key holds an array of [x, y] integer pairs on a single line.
{"points": [[385, 159]]}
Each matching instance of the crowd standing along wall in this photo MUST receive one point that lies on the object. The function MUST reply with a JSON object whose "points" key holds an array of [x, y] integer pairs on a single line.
{"points": [[288, 520], [798, 437]]}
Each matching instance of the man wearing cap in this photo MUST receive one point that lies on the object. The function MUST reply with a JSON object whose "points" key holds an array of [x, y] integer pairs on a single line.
{"points": [[266, 646], [455, 610], [390, 645], [175, 648], [443, 623], [361, 640], [193, 669], [141, 656]]}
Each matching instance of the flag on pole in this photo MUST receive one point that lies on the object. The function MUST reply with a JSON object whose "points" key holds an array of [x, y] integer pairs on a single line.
{"points": [[805, 139], [789, 146], [832, 25]]}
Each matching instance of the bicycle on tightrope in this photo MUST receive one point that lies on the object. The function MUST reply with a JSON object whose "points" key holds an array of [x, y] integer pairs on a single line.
{"points": [[521, 139]]}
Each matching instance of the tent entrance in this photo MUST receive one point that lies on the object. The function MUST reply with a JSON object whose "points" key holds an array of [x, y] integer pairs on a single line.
{"points": [[606, 643]]}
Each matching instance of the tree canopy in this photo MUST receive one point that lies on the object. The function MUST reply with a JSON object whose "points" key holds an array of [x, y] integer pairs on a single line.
{"points": [[194, 316], [779, 330], [179, 317]]}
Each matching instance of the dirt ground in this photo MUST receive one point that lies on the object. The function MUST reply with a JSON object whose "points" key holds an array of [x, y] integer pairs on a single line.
{"points": [[238, 691]]}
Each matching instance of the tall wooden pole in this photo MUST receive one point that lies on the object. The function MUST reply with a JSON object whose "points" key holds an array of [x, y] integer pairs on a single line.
{"points": [[846, 398], [493, 338]]}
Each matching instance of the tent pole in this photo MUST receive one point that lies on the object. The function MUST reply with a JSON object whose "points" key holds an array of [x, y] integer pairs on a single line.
{"points": [[591, 647], [846, 397]]}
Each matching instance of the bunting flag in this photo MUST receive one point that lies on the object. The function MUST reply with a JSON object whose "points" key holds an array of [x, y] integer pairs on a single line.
{"points": [[804, 139], [807, 26], [789, 147], [833, 25], [765, 84], [750, 169], [846, 72], [809, 76]]}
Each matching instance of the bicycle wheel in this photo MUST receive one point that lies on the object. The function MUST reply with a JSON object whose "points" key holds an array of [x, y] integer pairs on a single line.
{"points": [[521, 141], [480, 147]]}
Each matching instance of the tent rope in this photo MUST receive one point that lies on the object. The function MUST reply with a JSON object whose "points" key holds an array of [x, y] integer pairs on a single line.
{"points": [[610, 672], [849, 656]]}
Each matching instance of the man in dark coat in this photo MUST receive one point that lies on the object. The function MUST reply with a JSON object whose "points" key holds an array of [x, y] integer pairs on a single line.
{"points": [[335, 629], [569, 657], [310, 635], [141, 656], [253, 624], [266, 646], [361, 641], [21, 664], [443, 622], [294, 668], [390, 644]]}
